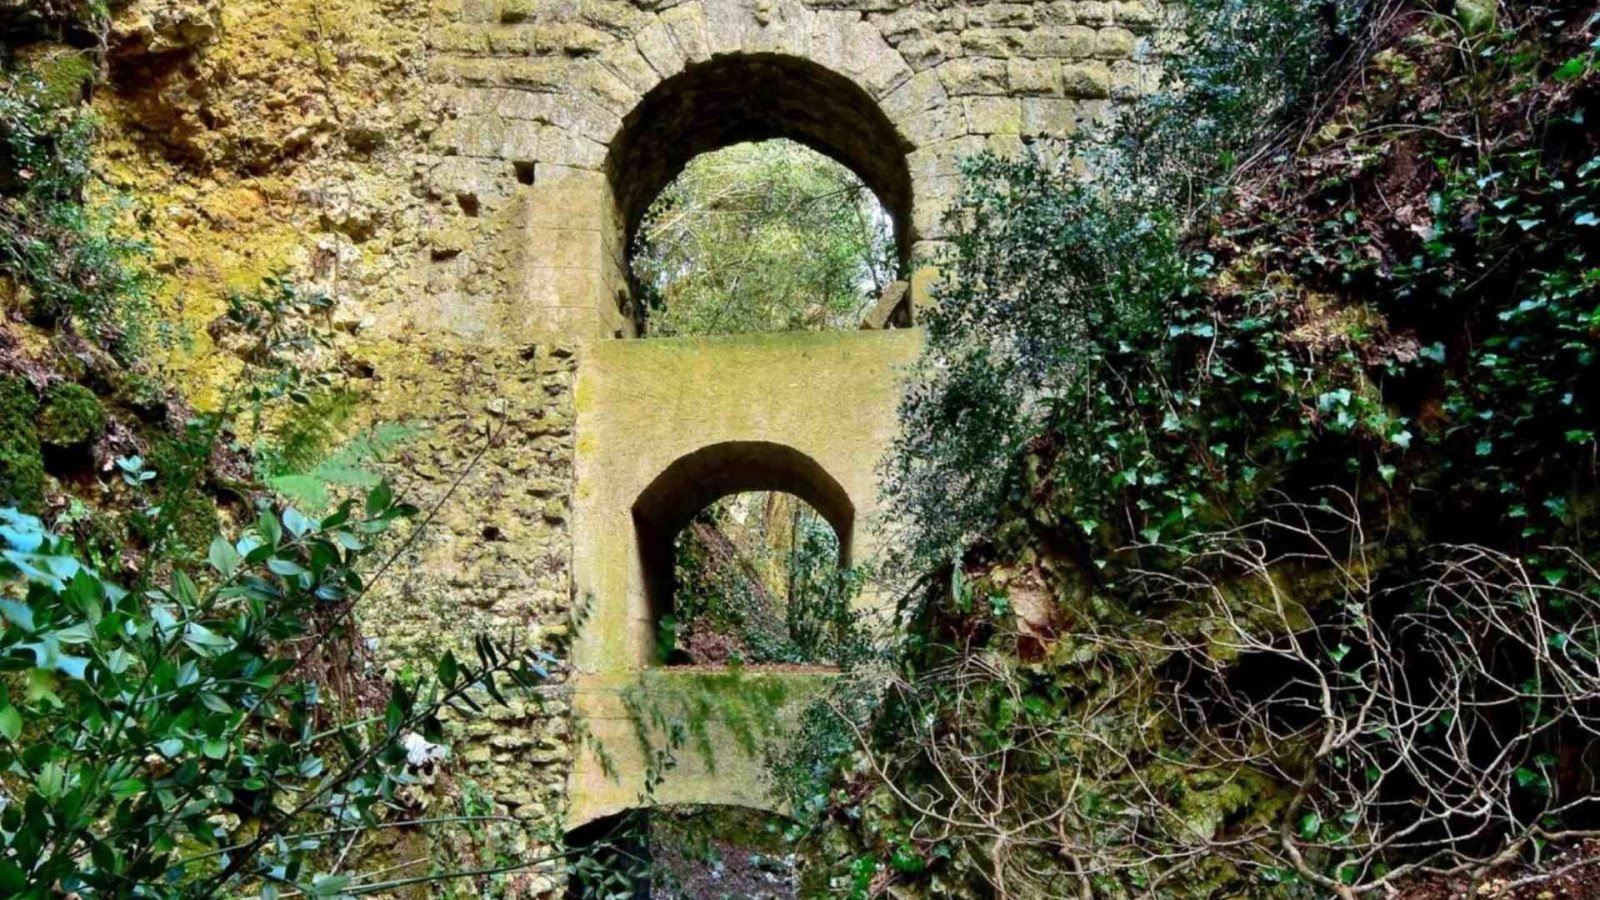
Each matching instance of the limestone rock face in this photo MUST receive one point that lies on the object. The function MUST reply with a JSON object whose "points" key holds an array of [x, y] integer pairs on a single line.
{"points": [[165, 26]]}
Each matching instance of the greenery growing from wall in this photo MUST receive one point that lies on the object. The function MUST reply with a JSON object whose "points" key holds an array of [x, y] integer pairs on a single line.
{"points": [[1258, 471], [61, 255], [184, 707], [767, 236]]}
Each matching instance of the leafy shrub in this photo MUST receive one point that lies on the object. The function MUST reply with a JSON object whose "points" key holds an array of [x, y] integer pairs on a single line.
{"points": [[1293, 456], [167, 741]]}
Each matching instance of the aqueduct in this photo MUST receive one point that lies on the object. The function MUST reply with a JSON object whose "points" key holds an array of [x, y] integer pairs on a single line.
{"points": [[472, 172], [574, 150]]}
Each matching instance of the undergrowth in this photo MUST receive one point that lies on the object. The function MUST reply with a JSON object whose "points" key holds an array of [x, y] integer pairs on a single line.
{"points": [[1286, 384]]}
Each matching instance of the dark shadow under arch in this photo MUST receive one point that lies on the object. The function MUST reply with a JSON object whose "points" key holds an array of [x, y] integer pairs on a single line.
{"points": [[701, 478], [622, 843], [755, 97]]}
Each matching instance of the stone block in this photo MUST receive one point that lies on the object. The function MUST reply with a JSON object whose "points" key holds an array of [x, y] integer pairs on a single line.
{"points": [[1114, 43], [1086, 81], [1069, 42], [1000, 42], [536, 74], [1136, 15], [1001, 15], [1058, 12], [993, 115], [611, 93], [973, 76], [1049, 117], [935, 125], [656, 45], [510, 40], [926, 52], [564, 147], [1034, 77], [935, 161], [479, 135], [513, 11], [521, 140], [687, 23], [460, 38], [1094, 12], [629, 65], [920, 93]]}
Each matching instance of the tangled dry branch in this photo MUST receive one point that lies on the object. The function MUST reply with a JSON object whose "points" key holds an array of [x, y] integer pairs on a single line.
{"points": [[1383, 728]]}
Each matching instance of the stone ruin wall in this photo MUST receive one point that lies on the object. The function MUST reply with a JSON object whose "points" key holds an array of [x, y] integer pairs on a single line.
{"points": [[445, 169]]}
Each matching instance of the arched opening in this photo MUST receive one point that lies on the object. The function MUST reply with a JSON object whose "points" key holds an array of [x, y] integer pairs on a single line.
{"points": [[697, 481], [743, 98], [682, 853], [762, 237]]}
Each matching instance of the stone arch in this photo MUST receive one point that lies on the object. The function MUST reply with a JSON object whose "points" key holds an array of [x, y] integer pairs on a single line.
{"points": [[743, 97], [698, 479]]}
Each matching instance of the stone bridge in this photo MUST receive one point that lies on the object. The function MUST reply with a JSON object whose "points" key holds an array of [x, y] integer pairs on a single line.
{"points": [[470, 174], [665, 427]]}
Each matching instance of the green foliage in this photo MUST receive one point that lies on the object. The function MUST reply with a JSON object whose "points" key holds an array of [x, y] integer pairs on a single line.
{"points": [[281, 332], [762, 584], [168, 742], [304, 457], [21, 459], [61, 251], [1239, 402], [72, 415], [768, 236], [1055, 281]]}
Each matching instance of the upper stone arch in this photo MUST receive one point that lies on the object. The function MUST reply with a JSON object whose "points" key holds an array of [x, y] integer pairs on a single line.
{"points": [[548, 145], [743, 97]]}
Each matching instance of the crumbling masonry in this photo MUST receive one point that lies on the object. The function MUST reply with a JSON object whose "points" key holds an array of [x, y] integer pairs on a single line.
{"points": [[464, 176]]}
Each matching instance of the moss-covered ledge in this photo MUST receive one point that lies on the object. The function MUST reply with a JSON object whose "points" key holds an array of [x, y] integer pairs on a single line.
{"points": [[684, 736]]}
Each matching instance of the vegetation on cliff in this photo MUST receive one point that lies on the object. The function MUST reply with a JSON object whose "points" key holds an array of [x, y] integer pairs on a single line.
{"points": [[1259, 469], [186, 707]]}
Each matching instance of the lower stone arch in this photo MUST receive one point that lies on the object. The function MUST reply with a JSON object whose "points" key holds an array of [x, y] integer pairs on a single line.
{"points": [[698, 479]]}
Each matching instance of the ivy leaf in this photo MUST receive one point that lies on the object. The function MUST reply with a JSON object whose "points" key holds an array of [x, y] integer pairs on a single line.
{"points": [[17, 613], [223, 557], [1310, 824], [10, 723], [329, 885], [297, 523], [379, 498]]}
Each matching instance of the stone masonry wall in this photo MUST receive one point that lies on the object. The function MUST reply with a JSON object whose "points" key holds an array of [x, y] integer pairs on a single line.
{"points": [[450, 173]]}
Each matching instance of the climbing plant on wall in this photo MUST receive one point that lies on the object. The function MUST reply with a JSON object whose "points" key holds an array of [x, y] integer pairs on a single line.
{"points": [[1292, 451]]}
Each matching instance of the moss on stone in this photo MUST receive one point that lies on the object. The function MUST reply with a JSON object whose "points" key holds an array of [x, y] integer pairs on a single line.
{"points": [[21, 462], [63, 74], [72, 416], [191, 512]]}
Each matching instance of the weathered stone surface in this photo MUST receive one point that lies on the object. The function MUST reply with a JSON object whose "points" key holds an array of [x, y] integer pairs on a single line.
{"points": [[462, 176]]}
